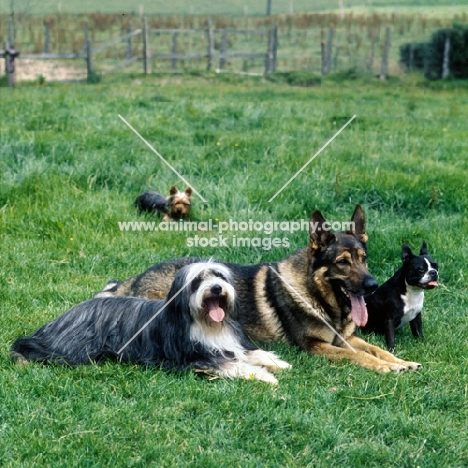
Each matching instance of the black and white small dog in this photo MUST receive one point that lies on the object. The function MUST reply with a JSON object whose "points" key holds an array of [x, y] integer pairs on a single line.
{"points": [[196, 327], [400, 299]]}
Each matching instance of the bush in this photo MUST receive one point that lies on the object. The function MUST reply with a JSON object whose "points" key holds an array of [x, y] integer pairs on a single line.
{"points": [[295, 78], [94, 78], [430, 56], [418, 51]]}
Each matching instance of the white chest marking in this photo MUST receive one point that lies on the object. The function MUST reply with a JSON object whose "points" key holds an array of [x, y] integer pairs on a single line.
{"points": [[413, 303], [218, 337]]}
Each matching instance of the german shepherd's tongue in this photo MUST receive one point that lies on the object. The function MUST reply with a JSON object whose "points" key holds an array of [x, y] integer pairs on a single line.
{"points": [[214, 311], [358, 310]]}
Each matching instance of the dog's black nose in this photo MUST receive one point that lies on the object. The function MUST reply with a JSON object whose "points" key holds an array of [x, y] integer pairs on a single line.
{"points": [[216, 289], [370, 285], [433, 274]]}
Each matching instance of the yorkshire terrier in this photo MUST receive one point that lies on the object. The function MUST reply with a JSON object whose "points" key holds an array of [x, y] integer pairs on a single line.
{"points": [[173, 207]]}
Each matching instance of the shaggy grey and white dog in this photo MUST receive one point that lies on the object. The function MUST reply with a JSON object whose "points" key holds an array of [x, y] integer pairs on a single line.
{"points": [[196, 327]]}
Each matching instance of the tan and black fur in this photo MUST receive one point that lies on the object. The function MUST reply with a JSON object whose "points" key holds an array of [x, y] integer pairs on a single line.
{"points": [[173, 207], [304, 300]]}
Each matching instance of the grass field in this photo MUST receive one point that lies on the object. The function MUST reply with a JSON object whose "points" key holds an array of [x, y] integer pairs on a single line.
{"points": [[69, 172], [233, 7]]}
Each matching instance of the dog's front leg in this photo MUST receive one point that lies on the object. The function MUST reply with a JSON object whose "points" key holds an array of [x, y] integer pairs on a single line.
{"points": [[358, 356], [416, 326], [359, 344], [243, 370], [270, 360], [389, 328]]}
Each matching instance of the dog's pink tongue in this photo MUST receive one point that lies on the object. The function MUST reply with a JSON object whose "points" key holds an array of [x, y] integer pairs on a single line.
{"points": [[433, 284], [358, 310], [214, 311]]}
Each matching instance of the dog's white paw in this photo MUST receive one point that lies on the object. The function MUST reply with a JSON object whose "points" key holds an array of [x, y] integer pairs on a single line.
{"points": [[276, 363], [413, 365], [391, 367], [282, 364], [267, 359], [250, 372], [265, 377]]}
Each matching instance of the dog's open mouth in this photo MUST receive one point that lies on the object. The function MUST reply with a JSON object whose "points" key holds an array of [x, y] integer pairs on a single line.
{"points": [[214, 307], [358, 308], [429, 285]]}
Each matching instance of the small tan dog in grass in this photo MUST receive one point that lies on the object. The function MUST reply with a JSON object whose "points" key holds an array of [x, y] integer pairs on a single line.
{"points": [[173, 207]]}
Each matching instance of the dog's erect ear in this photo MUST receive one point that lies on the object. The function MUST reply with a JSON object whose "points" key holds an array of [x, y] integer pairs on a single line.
{"points": [[358, 225], [406, 253], [188, 191], [423, 250], [173, 190], [319, 231]]}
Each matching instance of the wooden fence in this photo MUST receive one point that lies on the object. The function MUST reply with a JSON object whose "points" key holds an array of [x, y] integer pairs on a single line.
{"points": [[318, 44], [212, 56]]}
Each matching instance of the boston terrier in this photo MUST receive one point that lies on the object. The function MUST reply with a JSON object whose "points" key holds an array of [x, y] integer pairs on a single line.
{"points": [[400, 299]]}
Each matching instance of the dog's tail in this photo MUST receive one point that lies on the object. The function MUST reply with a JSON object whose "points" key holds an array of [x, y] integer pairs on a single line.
{"points": [[31, 349]]}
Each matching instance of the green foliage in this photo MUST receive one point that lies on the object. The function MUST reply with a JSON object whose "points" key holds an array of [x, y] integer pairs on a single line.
{"points": [[69, 172], [430, 56], [413, 55], [295, 78], [94, 78]]}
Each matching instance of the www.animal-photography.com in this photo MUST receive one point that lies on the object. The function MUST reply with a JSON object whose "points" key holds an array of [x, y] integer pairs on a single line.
{"points": [[233, 234]]}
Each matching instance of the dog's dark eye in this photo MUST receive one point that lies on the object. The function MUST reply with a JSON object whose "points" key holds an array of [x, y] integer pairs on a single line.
{"points": [[364, 258], [196, 284], [221, 276], [343, 261]]}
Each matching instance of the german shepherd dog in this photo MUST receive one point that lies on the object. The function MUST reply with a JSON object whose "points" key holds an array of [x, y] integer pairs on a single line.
{"points": [[313, 299]]}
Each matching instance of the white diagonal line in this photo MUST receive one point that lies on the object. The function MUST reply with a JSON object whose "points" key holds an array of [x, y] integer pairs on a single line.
{"points": [[162, 159], [153, 317], [312, 158], [312, 309]]}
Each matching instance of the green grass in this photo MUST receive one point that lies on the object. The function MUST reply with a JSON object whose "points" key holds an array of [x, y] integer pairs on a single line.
{"points": [[206, 7], [69, 172]]}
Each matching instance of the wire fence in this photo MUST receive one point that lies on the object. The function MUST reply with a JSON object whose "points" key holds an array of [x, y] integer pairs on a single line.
{"points": [[315, 43]]}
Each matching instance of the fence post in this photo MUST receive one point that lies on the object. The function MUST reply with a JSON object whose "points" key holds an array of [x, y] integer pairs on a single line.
{"points": [[210, 44], [322, 55], [268, 8], [10, 54], [222, 59], [146, 51], [326, 50], [445, 63], [129, 43], [89, 58], [270, 66], [46, 38], [386, 51], [11, 30], [411, 57], [174, 51], [370, 62]]}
